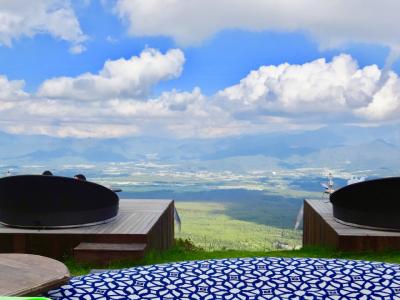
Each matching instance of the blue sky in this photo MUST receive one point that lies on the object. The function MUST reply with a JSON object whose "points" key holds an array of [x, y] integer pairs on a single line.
{"points": [[217, 51], [220, 61]]}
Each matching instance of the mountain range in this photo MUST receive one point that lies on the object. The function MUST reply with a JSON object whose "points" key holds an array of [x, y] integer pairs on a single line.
{"points": [[347, 147]]}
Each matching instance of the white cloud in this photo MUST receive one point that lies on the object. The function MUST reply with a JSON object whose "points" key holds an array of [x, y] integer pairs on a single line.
{"points": [[319, 87], [77, 49], [116, 102], [20, 18], [78, 130], [318, 92], [385, 104], [122, 78], [11, 89], [332, 23], [11, 92]]}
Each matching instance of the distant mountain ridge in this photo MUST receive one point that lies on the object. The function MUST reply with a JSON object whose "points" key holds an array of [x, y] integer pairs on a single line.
{"points": [[340, 146]]}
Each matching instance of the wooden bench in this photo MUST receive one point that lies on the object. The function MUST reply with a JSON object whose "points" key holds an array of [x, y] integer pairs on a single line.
{"points": [[30, 275]]}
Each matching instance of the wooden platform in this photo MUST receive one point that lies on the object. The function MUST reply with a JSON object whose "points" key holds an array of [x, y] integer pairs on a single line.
{"points": [[320, 228], [29, 275], [149, 222]]}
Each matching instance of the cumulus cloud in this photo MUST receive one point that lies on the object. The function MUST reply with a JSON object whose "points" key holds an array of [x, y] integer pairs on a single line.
{"points": [[116, 101], [385, 104], [11, 89], [332, 23], [318, 91], [319, 87], [20, 18], [124, 78], [11, 92]]}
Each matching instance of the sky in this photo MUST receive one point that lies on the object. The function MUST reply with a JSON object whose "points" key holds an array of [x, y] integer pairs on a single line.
{"points": [[196, 68]]}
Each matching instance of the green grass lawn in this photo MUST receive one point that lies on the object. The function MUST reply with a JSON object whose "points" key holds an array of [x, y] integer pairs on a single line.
{"points": [[184, 250]]}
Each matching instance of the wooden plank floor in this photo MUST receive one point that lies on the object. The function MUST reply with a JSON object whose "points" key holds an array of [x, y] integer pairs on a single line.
{"points": [[29, 275], [135, 216], [321, 228], [143, 221], [324, 209]]}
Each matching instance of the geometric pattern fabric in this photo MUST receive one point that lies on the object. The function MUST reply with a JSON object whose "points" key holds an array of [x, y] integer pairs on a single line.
{"points": [[242, 278]]}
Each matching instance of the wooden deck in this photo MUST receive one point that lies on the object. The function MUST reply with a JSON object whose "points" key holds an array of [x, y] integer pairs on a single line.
{"points": [[29, 275], [320, 228], [139, 221]]}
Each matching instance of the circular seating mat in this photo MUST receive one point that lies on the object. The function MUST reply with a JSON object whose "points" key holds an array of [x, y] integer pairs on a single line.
{"points": [[244, 278]]}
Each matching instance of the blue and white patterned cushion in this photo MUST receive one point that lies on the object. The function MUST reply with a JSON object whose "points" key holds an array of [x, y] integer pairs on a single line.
{"points": [[244, 278]]}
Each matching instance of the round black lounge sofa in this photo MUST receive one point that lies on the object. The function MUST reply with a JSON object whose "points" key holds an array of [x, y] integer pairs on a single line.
{"points": [[38, 201], [372, 204]]}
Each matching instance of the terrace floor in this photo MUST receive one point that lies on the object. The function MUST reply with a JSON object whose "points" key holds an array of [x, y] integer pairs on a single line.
{"points": [[321, 229], [140, 221]]}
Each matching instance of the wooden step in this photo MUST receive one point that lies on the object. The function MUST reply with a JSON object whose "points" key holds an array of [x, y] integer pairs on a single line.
{"points": [[104, 253]]}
